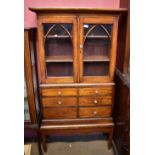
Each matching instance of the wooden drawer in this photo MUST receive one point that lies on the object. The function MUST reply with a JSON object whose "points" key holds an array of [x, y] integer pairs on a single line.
{"points": [[59, 101], [58, 92], [59, 113], [95, 112], [95, 91], [94, 101]]}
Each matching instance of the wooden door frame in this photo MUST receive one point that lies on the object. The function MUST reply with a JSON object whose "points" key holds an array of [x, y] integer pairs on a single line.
{"points": [[56, 19], [105, 19]]}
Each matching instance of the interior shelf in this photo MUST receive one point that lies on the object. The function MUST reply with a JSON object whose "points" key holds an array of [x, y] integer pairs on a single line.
{"points": [[59, 59], [96, 59], [97, 36], [57, 36]]}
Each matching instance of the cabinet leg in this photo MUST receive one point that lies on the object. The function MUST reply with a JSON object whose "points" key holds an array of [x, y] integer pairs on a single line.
{"points": [[110, 138], [44, 142]]}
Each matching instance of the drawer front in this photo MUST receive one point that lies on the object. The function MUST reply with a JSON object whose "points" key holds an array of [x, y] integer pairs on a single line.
{"points": [[59, 101], [95, 112], [59, 113], [58, 92], [95, 91], [94, 101]]}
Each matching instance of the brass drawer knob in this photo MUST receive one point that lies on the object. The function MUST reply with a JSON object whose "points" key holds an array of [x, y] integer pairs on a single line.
{"points": [[59, 102], [95, 112], [59, 92], [96, 91], [95, 101], [81, 46]]}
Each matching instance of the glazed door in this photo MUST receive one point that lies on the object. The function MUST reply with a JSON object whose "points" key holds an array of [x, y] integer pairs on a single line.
{"points": [[98, 37], [31, 103], [26, 105], [57, 47]]}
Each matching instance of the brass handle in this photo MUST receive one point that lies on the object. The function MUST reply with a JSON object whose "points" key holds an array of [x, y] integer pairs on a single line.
{"points": [[59, 92], [96, 91], [95, 112], [59, 102], [95, 101]]}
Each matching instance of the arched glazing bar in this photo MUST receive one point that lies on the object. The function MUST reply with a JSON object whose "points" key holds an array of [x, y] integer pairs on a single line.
{"points": [[52, 27], [92, 28]]}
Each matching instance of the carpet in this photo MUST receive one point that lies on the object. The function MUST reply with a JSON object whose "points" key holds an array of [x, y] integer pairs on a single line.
{"points": [[76, 145]]}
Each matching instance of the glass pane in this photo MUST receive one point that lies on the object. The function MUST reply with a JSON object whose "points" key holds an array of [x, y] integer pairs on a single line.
{"points": [[59, 69], [97, 29], [96, 47], [26, 107], [96, 69], [33, 61], [96, 51], [57, 29], [58, 49]]}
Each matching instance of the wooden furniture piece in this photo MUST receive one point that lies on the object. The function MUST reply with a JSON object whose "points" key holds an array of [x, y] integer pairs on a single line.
{"points": [[122, 113], [76, 56], [30, 81], [122, 86], [123, 48], [31, 102]]}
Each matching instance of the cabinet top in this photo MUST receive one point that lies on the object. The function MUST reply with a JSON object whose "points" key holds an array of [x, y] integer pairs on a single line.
{"points": [[79, 10]]}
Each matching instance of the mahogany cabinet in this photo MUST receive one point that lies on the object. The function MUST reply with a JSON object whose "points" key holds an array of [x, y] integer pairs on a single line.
{"points": [[123, 48], [122, 113], [121, 110], [76, 56]]}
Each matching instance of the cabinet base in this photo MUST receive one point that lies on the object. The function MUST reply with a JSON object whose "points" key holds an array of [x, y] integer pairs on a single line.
{"points": [[76, 127]]}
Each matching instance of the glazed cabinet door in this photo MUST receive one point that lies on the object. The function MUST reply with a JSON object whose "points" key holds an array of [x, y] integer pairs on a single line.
{"points": [[31, 102], [57, 49], [98, 37], [26, 105]]}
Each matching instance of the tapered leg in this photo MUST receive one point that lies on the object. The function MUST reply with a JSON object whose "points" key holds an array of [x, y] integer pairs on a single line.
{"points": [[110, 138], [44, 142]]}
